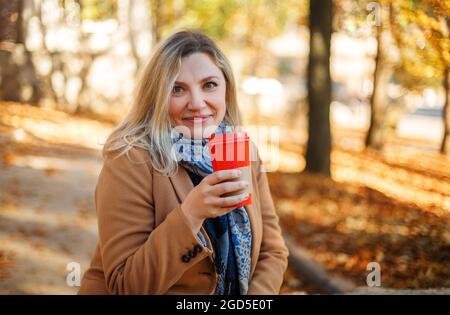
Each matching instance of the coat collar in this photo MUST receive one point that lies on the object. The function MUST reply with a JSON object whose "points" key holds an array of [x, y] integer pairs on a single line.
{"points": [[182, 184]]}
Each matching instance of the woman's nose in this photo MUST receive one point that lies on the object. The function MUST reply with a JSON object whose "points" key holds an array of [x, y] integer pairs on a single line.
{"points": [[196, 102]]}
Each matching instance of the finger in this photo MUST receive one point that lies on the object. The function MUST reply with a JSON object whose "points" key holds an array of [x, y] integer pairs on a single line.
{"points": [[223, 175], [226, 209], [219, 202], [227, 187], [232, 200]]}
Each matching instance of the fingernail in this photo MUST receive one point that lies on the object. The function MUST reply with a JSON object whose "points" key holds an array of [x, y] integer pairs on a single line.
{"points": [[238, 172]]}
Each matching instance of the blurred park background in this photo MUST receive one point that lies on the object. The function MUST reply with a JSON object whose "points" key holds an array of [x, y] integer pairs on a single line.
{"points": [[358, 89]]}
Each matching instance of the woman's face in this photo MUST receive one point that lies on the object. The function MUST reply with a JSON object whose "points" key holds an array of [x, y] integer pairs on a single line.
{"points": [[197, 99]]}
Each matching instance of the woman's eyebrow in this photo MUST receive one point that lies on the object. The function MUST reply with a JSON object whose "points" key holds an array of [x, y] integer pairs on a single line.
{"points": [[202, 80]]}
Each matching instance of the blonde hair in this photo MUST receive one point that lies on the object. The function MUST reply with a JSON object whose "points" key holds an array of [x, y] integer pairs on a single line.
{"points": [[147, 124]]}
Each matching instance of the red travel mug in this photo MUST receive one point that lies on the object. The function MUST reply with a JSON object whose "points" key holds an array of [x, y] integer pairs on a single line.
{"points": [[232, 151]]}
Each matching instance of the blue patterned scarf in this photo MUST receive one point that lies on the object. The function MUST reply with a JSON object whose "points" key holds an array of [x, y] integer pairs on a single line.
{"points": [[194, 155]]}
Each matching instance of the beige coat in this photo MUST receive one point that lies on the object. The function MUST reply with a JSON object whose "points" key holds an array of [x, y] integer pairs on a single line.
{"points": [[143, 234]]}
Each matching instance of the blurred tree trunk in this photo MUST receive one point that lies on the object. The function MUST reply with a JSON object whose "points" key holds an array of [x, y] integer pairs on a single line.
{"points": [[19, 82], [9, 83], [54, 57], [446, 112], [9, 28], [157, 20], [445, 148], [375, 136], [319, 88], [131, 35]]}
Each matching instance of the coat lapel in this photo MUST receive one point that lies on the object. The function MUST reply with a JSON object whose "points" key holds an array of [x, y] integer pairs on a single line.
{"points": [[182, 183]]}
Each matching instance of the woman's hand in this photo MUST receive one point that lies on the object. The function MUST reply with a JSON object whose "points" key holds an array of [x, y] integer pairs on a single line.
{"points": [[205, 201]]}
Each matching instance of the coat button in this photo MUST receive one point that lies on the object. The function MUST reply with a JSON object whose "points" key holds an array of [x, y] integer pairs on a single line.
{"points": [[197, 249], [192, 254], [185, 258]]}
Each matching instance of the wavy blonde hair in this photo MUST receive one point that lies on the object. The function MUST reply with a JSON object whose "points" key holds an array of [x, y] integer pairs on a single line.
{"points": [[147, 125]]}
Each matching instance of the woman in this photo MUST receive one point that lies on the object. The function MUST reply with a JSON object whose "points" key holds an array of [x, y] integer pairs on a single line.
{"points": [[163, 226]]}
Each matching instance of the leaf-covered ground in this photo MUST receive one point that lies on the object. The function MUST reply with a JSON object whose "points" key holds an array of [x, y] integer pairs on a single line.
{"points": [[49, 163], [391, 208]]}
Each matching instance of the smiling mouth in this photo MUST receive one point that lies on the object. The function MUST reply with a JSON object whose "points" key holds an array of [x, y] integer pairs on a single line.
{"points": [[198, 119]]}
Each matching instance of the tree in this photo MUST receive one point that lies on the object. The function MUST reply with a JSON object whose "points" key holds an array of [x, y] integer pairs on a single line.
{"points": [[425, 54], [361, 19], [18, 79], [375, 136], [420, 30], [446, 113], [319, 88]]}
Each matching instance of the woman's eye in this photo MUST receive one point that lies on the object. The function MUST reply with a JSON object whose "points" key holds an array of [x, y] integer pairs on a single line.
{"points": [[210, 84], [177, 89]]}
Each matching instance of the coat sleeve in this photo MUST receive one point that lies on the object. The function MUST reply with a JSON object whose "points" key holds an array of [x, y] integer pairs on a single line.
{"points": [[137, 257], [273, 257]]}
